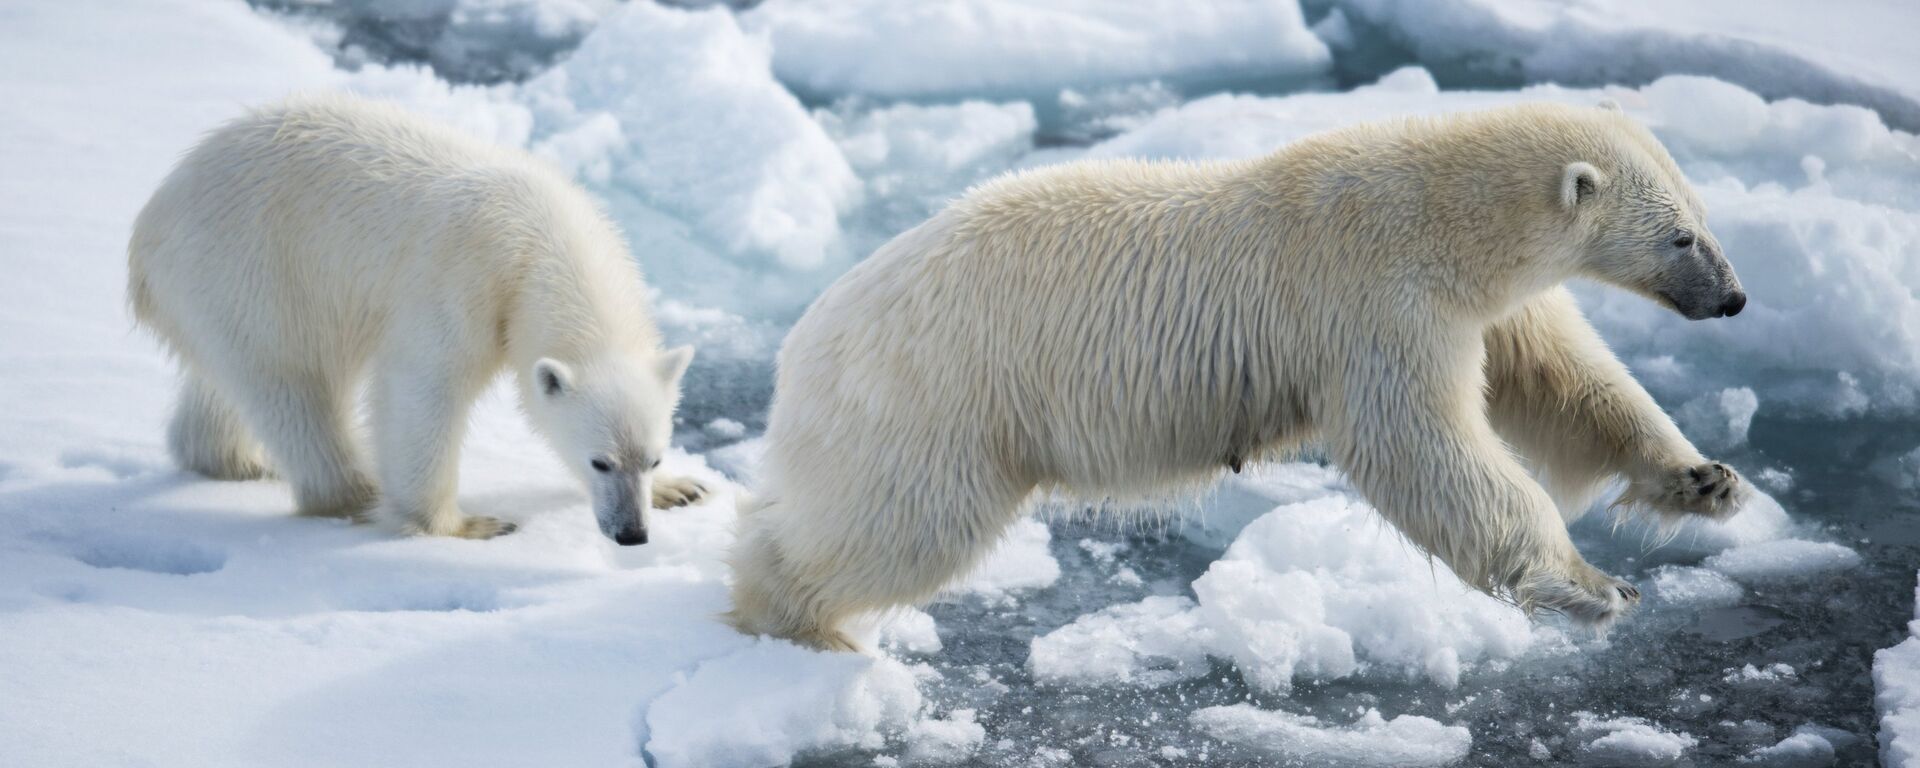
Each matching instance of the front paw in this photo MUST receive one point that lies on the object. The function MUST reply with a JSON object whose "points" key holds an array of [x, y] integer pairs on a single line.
{"points": [[670, 492], [1712, 490]]}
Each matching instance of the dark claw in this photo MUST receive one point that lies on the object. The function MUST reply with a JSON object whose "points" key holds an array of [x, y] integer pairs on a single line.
{"points": [[506, 528], [1724, 493], [1694, 472], [1628, 591]]}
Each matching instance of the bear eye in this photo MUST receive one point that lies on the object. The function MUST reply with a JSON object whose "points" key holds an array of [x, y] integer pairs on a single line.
{"points": [[601, 465], [655, 465], [1683, 240]]}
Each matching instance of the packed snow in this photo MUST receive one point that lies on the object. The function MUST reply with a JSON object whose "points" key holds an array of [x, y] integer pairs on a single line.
{"points": [[149, 617]]}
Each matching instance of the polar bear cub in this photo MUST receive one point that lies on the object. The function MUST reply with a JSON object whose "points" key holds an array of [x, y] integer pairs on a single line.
{"points": [[327, 240], [1123, 329]]}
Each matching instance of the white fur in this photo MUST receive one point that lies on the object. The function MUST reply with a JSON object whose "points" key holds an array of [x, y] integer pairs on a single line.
{"points": [[309, 244], [1121, 329]]}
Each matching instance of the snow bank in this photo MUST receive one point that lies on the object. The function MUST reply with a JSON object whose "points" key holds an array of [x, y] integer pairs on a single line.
{"points": [[1855, 52], [1309, 591], [1403, 742], [698, 127], [1896, 696], [1030, 48], [1815, 205]]}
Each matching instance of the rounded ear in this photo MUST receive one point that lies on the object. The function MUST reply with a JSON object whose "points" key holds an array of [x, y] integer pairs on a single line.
{"points": [[552, 377], [672, 364], [1578, 184]]}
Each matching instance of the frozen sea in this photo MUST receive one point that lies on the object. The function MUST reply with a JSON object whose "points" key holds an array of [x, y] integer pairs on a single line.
{"points": [[752, 153]]}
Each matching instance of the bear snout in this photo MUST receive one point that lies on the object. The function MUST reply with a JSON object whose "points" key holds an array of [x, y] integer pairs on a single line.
{"points": [[1733, 304], [631, 538]]}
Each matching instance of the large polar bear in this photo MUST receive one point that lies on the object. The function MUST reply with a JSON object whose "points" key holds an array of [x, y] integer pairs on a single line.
{"points": [[306, 243], [1122, 329]]}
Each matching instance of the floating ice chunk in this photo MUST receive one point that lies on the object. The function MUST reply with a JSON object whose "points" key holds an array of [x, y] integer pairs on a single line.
{"points": [[1149, 643], [1771, 673], [1801, 750], [1023, 560], [1784, 559], [911, 630], [1719, 420], [726, 428], [1700, 587], [1307, 592], [1404, 741], [1028, 48], [949, 740], [1629, 741], [766, 703], [708, 134]]}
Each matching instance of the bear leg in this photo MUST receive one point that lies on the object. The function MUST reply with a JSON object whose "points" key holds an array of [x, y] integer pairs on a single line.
{"points": [[1561, 397], [304, 422], [1418, 445], [206, 436], [421, 396]]}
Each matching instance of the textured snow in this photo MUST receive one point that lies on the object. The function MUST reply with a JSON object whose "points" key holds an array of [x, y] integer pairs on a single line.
{"points": [[1030, 48], [1402, 742]]}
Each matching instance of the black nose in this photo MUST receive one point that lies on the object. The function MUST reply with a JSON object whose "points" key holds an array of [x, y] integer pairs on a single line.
{"points": [[1734, 304], [630, 538]]}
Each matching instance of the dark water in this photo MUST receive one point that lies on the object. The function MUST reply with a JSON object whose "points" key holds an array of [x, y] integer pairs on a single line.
{"points": [[1657, 665]]}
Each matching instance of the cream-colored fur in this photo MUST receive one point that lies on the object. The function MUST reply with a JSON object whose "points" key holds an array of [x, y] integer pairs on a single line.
{"points": [[306, 245], [1121, 329]]}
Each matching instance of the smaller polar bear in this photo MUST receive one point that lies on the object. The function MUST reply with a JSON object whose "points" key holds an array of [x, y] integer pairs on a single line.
{"points": [[1121, 329], [308, 243]]}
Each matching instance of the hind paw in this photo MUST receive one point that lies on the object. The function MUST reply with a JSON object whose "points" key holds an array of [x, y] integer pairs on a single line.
{"points": [[1586, 595]]}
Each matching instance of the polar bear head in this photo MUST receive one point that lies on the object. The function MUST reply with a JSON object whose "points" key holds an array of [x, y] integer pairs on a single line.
{"points": [[610, 419], [1640, 225]]}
